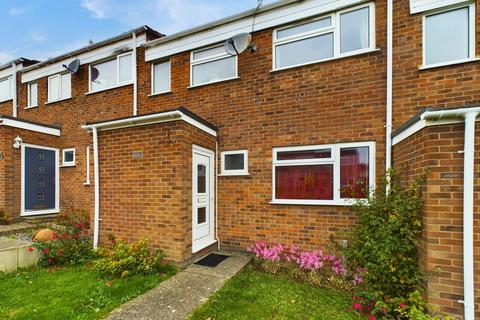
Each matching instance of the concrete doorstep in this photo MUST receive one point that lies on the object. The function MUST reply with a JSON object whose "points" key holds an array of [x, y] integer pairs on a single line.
{"points": [[176, 298]]}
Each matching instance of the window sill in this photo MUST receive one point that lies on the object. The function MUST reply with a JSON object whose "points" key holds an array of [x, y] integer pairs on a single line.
{"points": [[345, 202], [449, 63], [225, 174], [160, 93], [111, 88], [31, 107], [213, 82], [56, 101], [353, 54], [68, 165]]}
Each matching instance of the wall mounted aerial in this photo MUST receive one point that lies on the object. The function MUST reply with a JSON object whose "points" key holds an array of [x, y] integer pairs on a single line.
{"points": [[239, 43], [73, 66]]}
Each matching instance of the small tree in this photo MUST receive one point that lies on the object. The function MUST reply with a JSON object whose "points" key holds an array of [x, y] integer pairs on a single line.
{"points": [[385, 244]]}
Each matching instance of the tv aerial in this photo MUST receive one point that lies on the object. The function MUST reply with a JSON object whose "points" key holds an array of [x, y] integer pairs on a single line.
{"points": [[73, 66]]}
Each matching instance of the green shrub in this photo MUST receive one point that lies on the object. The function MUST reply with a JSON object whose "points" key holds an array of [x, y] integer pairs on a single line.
{"points": [[71, 245], [124, 259], [385, 247]]}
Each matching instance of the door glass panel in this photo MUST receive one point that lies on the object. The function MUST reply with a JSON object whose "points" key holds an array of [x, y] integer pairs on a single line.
{"points": [[201, 178], [201, 215]]}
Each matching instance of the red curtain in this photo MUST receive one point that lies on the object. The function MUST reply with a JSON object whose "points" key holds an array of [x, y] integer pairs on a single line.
{"points": [[304, 182], [354, 164]]}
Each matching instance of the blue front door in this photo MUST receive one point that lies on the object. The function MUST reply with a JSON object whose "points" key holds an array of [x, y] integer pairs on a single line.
{"points": [[40, 179]]}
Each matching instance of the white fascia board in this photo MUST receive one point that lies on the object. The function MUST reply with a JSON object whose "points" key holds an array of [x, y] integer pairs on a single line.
{"points": [[420, 124], [150, 119], [6, 73], [29, 126], [269, 19], [85, 58], [417, 6]]}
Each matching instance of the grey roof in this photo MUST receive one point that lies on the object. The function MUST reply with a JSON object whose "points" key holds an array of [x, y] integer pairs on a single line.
{"points": [[16, 61], [219, 22], [96, 45]]}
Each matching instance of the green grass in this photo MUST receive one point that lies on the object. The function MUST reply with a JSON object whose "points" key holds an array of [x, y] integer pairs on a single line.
{"points": [[256, 295], [67, 293]]}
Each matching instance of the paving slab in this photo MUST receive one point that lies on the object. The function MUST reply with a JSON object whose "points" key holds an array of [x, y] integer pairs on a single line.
{"points": [[177, 297], [8, 229]]}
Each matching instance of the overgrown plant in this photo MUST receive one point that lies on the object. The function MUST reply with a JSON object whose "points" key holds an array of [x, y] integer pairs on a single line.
{"points": [[70, 245], [125, 259], [385, 245]]}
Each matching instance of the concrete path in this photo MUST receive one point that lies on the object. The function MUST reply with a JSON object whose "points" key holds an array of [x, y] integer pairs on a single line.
{"points": [[177, 297]]}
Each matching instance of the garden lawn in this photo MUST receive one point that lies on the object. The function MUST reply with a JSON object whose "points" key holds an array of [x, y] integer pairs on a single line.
{"points": [[256, 295], [67, 293]]}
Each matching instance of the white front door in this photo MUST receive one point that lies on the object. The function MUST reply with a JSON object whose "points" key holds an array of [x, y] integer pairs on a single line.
{"points": [[203, 198]]}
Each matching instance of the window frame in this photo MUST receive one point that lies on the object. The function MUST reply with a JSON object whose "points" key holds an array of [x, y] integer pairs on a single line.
{"points": [[210, 59], [60, 89], [237, 172], [471, 40], [29, 102], [334, 28], [68, 163], [9, 79], [152, 76], [334, 160], [117, 68]]}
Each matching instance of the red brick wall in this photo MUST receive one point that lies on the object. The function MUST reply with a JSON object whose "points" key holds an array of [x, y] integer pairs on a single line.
{"points": [[10, 166], [149, 198], [442, 239], [414, 89]]}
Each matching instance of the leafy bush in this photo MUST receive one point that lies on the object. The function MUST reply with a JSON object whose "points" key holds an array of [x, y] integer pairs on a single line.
{"points": [[4, 218], [385, 245], [124, 259], [314, 267], [70, 245]]}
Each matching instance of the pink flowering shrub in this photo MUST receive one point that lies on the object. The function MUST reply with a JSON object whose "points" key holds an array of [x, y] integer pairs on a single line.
{"points": [[314, 267]]}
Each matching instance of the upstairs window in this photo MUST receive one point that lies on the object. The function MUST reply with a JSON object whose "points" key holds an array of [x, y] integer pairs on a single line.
{"points": [[326, 174], [6, 89], [161, 77], [449, 36], [32, 98], [111, 73], [212, 65], [343, 33], [59, 87]]}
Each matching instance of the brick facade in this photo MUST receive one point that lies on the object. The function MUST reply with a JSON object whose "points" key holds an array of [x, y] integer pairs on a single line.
{"points": [[342, 100]]}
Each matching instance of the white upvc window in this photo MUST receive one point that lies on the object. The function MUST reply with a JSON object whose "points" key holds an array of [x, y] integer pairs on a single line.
{"points": [[59, 87], [111, 73], [211, 65], [234, 163], [68, 157], [6, 89], [332, 174], [449, 36], [32, 95], [339, 34], [161, 82]]}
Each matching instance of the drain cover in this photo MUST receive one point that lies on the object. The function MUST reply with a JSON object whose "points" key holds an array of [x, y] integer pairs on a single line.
{"points": [[212, 260]]}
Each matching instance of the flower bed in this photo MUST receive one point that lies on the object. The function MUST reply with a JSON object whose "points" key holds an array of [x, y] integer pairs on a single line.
{"points": [[315, 267]]}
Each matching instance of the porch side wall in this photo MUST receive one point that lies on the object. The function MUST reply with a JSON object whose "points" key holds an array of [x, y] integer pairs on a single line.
{"points": [[441, 246]]}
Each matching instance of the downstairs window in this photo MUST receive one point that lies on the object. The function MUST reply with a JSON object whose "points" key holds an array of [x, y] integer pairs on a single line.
{"points": [[323, 174]]}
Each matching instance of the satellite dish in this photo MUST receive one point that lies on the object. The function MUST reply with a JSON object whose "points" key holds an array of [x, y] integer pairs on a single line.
{"points": [[238, 44], [94, 73], [73, 66]]}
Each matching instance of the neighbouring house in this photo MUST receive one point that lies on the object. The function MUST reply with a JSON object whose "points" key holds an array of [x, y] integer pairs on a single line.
{"points": [[173, 139]]}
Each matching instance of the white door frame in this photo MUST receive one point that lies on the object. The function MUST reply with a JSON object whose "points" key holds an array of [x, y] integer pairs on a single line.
{"points": [[23, 212], [204, 242]]}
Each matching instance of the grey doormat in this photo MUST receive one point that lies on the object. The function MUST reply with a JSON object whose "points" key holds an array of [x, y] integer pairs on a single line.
{"points": [[212, 260]]}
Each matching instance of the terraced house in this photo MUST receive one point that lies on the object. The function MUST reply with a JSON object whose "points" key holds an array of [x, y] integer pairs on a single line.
{"points": [[175, 139]]}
